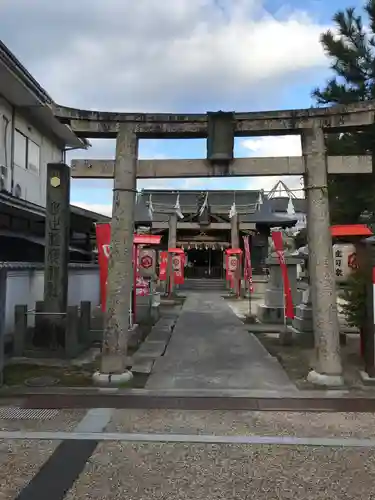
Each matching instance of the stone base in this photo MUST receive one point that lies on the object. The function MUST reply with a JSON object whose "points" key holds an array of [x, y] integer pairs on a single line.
{"points": [[286, 336], [303, 324], [324, 379], [302, 338], [111, 379], [267, 314], [366, 379]]}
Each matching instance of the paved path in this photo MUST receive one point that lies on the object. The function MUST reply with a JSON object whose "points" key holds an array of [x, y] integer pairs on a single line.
{"points": [[212, 349]]}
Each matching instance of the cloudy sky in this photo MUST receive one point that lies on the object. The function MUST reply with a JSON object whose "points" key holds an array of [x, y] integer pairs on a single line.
{"points": [[174, 56]]}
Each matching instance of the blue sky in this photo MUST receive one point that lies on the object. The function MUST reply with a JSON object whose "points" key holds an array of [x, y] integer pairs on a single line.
{"points": [[174, 56]]}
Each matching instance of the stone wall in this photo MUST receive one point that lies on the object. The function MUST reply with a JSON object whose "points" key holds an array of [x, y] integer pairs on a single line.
{"points": [[25, 285]]}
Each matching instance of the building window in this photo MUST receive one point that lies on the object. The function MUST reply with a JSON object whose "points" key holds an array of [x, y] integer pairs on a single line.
{"points": [[33, 156], [20, 150], [26, 153]]}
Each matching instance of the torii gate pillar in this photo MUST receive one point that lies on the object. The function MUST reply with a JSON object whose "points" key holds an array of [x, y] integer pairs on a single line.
{"points": [[328, 370], [120, 268]]}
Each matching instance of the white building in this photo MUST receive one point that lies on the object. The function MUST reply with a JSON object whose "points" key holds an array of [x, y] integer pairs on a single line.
{"points": [[30, 138], [30, 135]]}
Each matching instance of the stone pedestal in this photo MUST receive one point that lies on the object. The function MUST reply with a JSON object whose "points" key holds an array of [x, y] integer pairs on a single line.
{"points": [[302, 324], [272, 311]]}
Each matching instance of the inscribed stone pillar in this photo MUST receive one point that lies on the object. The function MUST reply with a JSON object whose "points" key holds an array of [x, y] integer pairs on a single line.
{"points": [[321, 270], [120, 270], [172, 242], [57, 237]]}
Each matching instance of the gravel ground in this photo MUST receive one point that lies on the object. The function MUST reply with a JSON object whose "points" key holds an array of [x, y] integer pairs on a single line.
{"points": [[301, 424], [19, 462], [210, 472]]}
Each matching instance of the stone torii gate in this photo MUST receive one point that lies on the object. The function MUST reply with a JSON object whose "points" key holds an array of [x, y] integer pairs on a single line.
{"points": [[220, 129]]}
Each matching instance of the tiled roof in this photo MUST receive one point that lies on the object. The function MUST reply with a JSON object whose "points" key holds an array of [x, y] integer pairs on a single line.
{"points": [[280, 204], [220, 202]]}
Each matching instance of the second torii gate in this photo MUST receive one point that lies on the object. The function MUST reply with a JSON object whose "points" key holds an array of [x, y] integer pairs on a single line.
{"points": [[220, 129]]}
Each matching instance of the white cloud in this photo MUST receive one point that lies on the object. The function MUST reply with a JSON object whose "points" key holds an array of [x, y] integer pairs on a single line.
{"points": [[162, 55], [273, 146], [169, 55], [105, 209], [282, 145]]}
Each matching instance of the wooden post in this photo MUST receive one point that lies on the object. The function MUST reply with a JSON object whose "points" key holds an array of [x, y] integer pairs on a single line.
{"points": [[85, 323], [235, 242], [20, 330], [172, 242], [3, 291], [71, 332], [369, 328]]}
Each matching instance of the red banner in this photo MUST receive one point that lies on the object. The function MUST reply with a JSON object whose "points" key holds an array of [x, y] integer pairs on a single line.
{"points": [[178, 262], [248, 270], [103, 239], [163, 266], [277, 238]]}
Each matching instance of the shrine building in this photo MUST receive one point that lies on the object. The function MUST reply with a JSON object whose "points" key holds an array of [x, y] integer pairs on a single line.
{"points": [[209, 222]]}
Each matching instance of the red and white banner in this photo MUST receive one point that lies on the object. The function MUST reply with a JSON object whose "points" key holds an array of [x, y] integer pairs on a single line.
{"points": [[163, 265], [233, 262], [103, 239], [248, 270], [277, 239], [178, 265]]}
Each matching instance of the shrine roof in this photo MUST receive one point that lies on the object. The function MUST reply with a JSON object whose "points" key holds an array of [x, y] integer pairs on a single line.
{"points": [[220, 203], [351, 230], [280, 204]]}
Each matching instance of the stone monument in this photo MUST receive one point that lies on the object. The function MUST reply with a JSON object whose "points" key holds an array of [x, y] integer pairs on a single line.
{"points": [[272, 311], [302, 324]]}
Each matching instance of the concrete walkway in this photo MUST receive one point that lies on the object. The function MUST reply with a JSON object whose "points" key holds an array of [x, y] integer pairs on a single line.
{"points": [[211, 349]]}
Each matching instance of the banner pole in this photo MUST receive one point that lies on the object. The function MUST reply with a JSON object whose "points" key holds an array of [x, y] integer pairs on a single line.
{"points": [[135, 265]]}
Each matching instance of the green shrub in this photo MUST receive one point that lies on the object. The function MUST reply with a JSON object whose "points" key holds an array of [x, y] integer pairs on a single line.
{"points": [[354, 295]]}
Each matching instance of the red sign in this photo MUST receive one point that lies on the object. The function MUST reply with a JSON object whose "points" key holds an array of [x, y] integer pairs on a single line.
{"points": [[248, 270], [146, 262], [178, 263], [178, 268], [277, 238], [232, 265]]}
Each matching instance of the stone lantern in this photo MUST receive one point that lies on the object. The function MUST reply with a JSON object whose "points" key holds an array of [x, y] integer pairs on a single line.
{"points": [[302, 324], [272, 311]]}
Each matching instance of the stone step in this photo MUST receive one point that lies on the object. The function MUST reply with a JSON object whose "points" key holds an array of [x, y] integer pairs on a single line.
{"points": [[143, 365], [166, 324], [203, 284], [151, 349], [159, 335]]}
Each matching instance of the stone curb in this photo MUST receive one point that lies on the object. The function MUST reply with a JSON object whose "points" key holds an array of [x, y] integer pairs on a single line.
{"points": [[96, 391]]}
